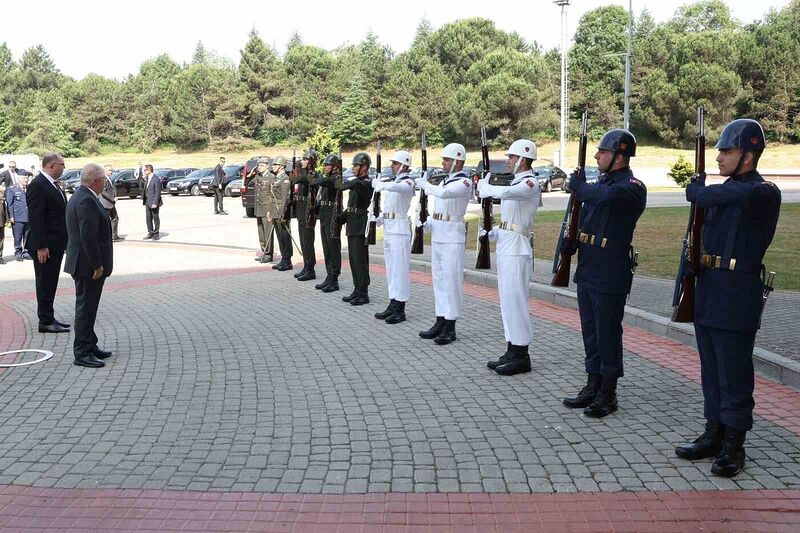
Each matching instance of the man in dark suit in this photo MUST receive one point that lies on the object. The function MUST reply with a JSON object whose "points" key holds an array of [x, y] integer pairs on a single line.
{"points": [[47, 237], [18, 213], [90, 259], [8, 177], [218, 185], [151, 198]]}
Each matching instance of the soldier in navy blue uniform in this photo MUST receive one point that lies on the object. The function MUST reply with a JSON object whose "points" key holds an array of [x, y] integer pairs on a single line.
{"points": [[611, 208], [741, 216]]}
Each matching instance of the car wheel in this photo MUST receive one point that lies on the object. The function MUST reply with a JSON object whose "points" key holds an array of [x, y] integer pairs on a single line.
{"points": [[226, 193], [134, 196], [195, 190], [251, 212], [173, 194], [548, 186]]}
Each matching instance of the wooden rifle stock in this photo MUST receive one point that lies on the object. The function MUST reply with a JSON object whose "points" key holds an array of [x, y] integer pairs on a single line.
{"points": [[568, 237], [683, 310], [372, 230], [484, 259], [418, 244]]}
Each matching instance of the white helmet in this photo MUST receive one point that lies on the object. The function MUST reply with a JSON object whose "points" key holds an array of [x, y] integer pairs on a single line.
{"points": [[455, 151], [523, 148], [402, 157]]}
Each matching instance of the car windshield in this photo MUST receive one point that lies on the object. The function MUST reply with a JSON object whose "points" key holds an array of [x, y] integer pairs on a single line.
{"points": [[592, 172], [543, 171], [199, 173], [161, 171], [230, 170]]}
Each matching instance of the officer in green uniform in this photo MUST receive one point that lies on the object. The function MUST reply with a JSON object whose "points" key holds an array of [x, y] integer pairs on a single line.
{"points": [[263, 180], [279, 194], [355, 216], [302, 186], [331, 246]]}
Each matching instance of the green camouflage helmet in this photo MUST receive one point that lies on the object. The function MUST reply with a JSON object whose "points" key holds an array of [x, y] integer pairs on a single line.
{"points": [[332, 159], [362, 158], [311, 154], [280, 160]]}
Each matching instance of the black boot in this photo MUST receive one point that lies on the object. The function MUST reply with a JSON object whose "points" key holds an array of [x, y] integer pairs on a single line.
{"points": [[362, 298], [351, 296], [284, 265], [309, 275], [706, 445], [302, 272], [605, 402], [324, 283], [731, 457], [399, 313], [266, 258], [503, 358], [519, 363], [332, 286], [586, 396], [448, 333], [437, 328], [381, 315]]}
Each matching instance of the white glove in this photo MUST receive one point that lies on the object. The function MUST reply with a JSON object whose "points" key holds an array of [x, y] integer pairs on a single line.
{"points": [[424, 176], [483, 183], [379, 220], [420, 182], [492, 234]]}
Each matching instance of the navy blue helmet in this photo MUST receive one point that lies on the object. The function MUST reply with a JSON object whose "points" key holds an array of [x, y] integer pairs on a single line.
{"points": [[745, 134], [619, 141]]}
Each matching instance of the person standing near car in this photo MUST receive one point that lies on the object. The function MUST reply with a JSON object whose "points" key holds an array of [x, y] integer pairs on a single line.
{"points": [[108, 199], [302, 188], [264, 208], [218, 186], [151, 198], [331, 246]]}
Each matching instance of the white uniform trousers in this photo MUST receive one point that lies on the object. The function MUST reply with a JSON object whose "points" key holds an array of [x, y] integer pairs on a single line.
{"points": [[513, 279], [397, 258], [447, 269]]}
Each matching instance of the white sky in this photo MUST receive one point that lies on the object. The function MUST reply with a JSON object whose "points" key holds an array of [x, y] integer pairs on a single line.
{"points": [[113, 37]]}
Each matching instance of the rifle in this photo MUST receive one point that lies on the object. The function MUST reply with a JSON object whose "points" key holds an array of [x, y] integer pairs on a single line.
{"points": [[376, 202], [683, 297], [768, 281], [484, 261], [311, 202], [418, 244], [568, 237], [290, 209], [338, 206]]}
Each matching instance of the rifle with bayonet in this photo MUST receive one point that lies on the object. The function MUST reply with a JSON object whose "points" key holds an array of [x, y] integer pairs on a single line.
{"points": [[376, 203], [418, 244], [338, 204], [568, 236], [311, 205], [683, 296], [484, 260], [290, 209]]}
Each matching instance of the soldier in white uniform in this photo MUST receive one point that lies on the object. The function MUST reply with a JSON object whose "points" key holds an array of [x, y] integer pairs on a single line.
{"points": [[396, 235], [448, 237], [518, 204]]}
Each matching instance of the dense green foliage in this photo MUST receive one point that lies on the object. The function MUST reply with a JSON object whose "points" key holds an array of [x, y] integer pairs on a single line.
{"points": [[448, 83], [682, 171]]}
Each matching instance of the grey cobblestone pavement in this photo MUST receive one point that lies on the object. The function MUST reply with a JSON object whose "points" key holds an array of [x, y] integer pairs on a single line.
{"points": [[252, 381]]}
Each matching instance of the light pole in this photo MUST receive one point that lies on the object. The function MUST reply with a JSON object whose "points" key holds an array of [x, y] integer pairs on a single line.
{"points": [[627, 119], [564, 108]]}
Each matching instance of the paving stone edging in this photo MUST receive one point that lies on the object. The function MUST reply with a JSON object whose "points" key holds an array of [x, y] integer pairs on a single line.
{"points": [[768, 364]]}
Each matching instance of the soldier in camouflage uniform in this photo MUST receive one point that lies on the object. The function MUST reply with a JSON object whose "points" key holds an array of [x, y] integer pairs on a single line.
{"points": [[331, 245], [280, 195], [263, 181]]}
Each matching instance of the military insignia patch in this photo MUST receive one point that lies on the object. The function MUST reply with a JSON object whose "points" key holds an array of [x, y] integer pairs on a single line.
{"points": [[466, 183], [530, 183], [636, 182], [296, 187]]}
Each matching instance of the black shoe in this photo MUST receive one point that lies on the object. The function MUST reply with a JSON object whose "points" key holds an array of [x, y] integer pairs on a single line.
{"points": [[437, 328], [381, 315], [17, 257], [89, 361], [706, 445], [320, 286], [731, 457], [156, 236], [309, 275], [52, 328], [148, 236], [3, 261], [265, 259], [448, 333], [399, 313], [332, 286], [605, 402], [118, 239], [298, 274], [587, 394], [101, 354], [257, 258], [223, 212], [283, 266], [26, 256], [519, 362], [350, 296], [216, 212], [503, 358], [361, 299], [62, 324]]}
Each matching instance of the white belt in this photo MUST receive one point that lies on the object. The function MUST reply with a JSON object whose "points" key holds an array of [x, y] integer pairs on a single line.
{"points": [[394, 216], [447, 218], [517, 228]]}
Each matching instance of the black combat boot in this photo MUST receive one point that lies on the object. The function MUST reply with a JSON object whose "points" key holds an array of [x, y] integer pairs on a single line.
{"points": [[381, 315], [309, 275], [332, 286], [586, 396], [448, 333], [362, 298], [437, 328], [519, 363], [503, 358], [706, 445], [399, 313], [284, 265], [605, 402], [257, 258], [351, 296], [302, 271], [320, 286], [731, 457], [266, 258]]}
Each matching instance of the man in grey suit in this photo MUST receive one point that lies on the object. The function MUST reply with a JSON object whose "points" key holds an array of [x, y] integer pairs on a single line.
{"points": [[90, 260], [151, 198], [108, 199], [218, 185]]}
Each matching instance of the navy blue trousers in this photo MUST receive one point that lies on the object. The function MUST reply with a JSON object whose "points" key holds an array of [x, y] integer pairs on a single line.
{"points": [[601, 325], [726, 369]]}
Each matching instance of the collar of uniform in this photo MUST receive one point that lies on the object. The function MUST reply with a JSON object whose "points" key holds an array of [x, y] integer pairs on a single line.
{"points": [[453, 176], [752, 175], [401, 176], [519, 176], [621, 174]]}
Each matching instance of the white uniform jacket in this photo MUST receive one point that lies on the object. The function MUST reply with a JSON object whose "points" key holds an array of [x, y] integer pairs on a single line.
{"points": [[447, 217], [396, 202], [518, 205]]}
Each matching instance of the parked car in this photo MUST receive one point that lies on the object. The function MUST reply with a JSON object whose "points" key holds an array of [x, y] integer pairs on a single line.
{"points": [[127, 184], [417, 172], [234, 188], [231, 173], [592, 175], [70, 180], [190, 184], [550, 177], [496, 166], [168, 174]]}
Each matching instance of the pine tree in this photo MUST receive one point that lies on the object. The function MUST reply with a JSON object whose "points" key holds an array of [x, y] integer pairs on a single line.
{"points": [[262, 85], [353, 124], [200, 55]]}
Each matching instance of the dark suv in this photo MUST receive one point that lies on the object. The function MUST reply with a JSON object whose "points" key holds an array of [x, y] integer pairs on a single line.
{"points": [[496, 166], [127, 184], [70, 180], [232, 172], [168, 174]]}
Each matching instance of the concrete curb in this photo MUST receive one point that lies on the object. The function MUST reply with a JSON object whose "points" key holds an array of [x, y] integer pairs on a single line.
{"points": [[770, 365]]}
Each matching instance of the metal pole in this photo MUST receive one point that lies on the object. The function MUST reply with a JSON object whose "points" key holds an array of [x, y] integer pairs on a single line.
{"points": [[564, 104], [627, 120]]}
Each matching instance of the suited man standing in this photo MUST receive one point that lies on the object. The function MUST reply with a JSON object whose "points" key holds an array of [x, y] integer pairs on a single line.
{"points": [[108, 199], [3, 218], [151, 198], [218, 186], [47, 237], [8, 177], [18, 213], [90, 260]]}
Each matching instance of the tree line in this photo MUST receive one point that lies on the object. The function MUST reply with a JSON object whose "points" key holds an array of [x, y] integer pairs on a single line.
{"points": [[448, 83]]}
